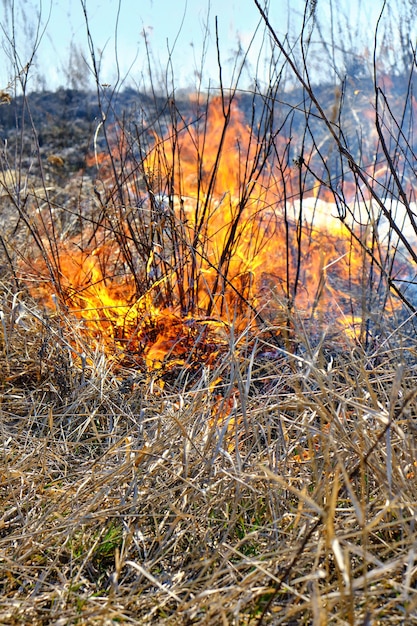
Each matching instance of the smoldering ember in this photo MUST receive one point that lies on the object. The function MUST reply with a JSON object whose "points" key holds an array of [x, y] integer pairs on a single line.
{"points": [[208, 390]]}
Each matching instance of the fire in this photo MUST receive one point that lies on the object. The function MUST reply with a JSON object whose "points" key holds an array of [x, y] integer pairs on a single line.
{"points": [[209, 233]]}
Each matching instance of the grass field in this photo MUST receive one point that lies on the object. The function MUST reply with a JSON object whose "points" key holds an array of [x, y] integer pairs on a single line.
{"points": [[208, 387], [274, 490]]}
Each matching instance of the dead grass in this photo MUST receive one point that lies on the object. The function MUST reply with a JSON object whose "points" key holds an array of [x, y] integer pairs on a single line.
{"points": [[270, 479], [285, 494]]}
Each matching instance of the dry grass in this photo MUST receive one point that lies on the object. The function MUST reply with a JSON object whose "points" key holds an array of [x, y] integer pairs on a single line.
{"points": [[264, 473], [285, 494]]}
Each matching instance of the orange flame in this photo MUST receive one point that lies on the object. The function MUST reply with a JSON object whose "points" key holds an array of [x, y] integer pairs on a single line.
{"points": [[227, 239]]}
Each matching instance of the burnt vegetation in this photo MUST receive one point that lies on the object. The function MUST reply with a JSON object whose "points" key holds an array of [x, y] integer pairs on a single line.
{"points": [[207, 343]]}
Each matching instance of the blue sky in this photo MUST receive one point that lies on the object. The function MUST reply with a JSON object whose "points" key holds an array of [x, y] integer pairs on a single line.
{"points": [[182, 28]]}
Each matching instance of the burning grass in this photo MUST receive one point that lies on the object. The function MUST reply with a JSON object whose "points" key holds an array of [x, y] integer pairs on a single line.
{"points": [[208, 388], [210, 231]]}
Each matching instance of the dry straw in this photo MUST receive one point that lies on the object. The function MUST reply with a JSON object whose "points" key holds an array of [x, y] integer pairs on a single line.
{"points": [[257, 467]]}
